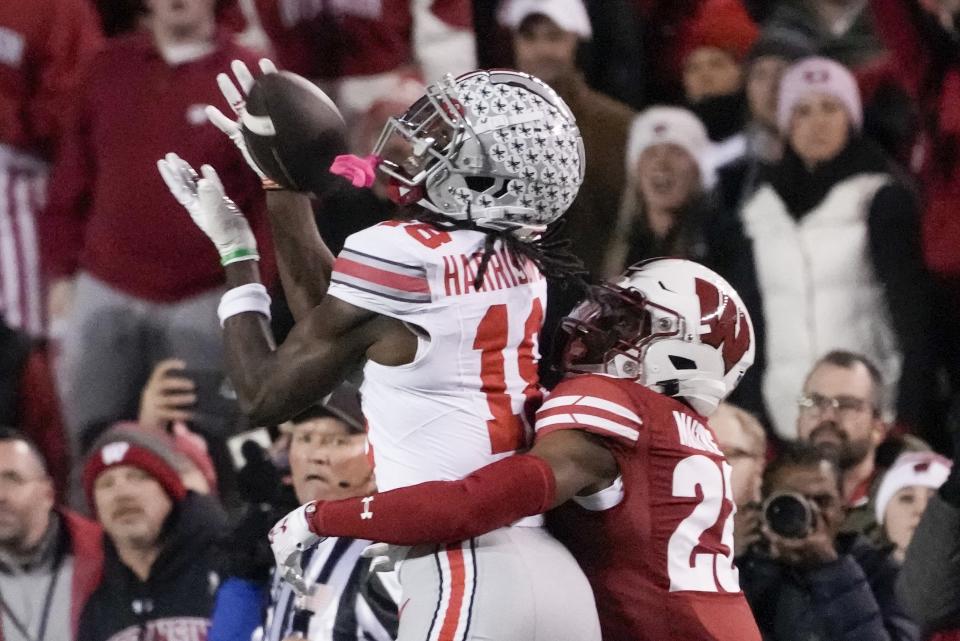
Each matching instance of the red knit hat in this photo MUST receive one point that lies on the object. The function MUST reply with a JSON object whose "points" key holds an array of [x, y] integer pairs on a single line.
{"points": [[723, 24], [183, 449], [121, 452]]}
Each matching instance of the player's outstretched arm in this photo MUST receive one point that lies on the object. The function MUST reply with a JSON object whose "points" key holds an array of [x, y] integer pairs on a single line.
{"points": [[560, 466], [272, 384]]}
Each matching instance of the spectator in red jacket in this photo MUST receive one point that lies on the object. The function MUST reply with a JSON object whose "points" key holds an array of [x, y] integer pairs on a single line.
{"points": [[924, 40], [51, 560], [363, 48], [44, 46], [142, 283]]}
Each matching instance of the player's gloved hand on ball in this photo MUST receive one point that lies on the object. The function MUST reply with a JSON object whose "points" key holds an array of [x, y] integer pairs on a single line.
{"points": [[237, 99], [212, 211], [290, 538]]}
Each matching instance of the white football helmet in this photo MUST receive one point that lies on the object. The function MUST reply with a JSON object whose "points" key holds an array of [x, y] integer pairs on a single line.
{"points": [[672, 325], [499, 148]]}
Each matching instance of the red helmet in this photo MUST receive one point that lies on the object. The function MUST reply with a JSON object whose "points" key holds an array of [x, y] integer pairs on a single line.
{"points": [[672, 325]]}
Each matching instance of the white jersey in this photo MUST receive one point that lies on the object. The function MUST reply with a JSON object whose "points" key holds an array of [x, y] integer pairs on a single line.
{"points": [[467, 398]]}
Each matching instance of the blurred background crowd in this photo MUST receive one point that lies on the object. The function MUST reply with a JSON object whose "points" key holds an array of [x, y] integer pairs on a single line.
{"points": [[807, 150]]}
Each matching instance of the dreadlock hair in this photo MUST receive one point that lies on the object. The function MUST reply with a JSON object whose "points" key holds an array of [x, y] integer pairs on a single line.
{"points": [[550, 251]]}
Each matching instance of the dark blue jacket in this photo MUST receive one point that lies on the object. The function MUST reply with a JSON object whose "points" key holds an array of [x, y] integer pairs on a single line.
{"points": [[850, 599]]}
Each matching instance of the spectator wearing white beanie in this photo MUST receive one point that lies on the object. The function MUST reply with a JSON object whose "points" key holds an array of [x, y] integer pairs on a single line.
{"points": [[810, 93], [903, 494], [671, 126], [833, 230], [816, 75], [668, 175], [569, 15]]}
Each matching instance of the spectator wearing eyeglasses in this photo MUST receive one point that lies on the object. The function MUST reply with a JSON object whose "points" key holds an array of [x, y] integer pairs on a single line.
{"points": [[839, 413]]}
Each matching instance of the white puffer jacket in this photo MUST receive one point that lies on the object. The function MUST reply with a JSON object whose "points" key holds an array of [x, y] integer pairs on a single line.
{"points": [[819, 289]]}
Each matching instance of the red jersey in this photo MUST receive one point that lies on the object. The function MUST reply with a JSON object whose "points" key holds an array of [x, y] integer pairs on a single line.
{"points": [[661, 559], [336, 38], [109, 213], [45, 47]]}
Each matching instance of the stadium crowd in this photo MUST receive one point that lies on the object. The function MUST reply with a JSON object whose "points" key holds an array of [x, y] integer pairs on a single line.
{"points": [[808, 151]]}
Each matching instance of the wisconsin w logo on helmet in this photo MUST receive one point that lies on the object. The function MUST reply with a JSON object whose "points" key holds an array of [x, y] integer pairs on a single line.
{"points": [[726, 323]]}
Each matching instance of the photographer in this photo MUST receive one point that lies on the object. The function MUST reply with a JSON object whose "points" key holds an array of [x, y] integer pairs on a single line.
{"points": [[805, 580]]}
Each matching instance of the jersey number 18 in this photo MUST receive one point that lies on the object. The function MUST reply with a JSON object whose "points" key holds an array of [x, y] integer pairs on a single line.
{"points": [[506, 428]]}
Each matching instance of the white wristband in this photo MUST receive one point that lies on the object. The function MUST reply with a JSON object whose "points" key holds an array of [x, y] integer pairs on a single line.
{"points": [[252, 297]]}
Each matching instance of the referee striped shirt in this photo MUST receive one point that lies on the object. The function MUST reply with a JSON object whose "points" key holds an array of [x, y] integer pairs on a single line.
{"points": [[351, 603]]}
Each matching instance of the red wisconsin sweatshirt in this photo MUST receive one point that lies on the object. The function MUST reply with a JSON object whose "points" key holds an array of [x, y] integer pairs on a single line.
{"points": [[43, 49], [109, 212]]}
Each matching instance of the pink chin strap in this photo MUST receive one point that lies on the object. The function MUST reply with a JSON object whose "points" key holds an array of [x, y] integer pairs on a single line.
{"points": [[359, 171]]}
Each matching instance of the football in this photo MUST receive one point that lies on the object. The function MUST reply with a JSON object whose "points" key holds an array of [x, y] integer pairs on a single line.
{"points": [[293, 131]]}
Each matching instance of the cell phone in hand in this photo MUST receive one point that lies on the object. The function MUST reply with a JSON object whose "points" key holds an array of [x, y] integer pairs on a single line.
{"points": [[216, 411]]}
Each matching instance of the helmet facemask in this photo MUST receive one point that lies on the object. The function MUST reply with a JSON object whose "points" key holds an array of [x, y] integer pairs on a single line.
{"points": [[423, 139], [609, 332]]}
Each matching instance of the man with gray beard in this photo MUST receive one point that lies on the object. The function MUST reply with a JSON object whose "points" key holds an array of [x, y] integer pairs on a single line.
{"points": [[840, 415]]}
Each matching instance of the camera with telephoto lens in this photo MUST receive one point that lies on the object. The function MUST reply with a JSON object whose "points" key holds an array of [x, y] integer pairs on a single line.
{"points": [[790, 515]]}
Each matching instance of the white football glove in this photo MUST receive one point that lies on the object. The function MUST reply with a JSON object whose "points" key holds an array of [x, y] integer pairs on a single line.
{"points": [[212, 211], [237, 99], [289, 539]]}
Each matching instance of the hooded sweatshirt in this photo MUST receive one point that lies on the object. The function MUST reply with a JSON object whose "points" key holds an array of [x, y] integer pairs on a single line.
{"points": [[177, 598]]}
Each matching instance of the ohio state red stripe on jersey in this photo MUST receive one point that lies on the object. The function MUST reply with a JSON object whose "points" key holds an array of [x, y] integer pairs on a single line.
{"points": [[589, 413], [380, 276]]}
